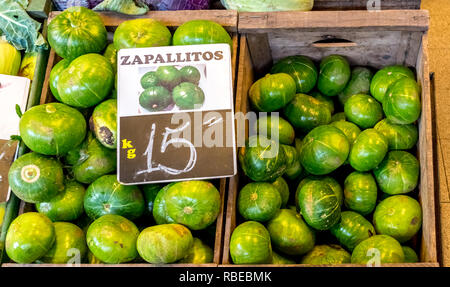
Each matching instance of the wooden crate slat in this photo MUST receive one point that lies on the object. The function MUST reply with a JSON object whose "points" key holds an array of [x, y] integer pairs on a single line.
{"points": [[370, 48], [362, 4], [403, 20], [427, 195], [226, 18]]}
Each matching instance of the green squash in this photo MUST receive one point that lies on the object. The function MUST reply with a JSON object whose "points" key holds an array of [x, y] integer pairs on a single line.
{"points": [[283, 188], [168, 76], [195, 204], [338, 117], [398, 136], [159, 206], [250, 244], [368, 150], [150, 191], [352, 229], [334, 75], [30, 236], [410, 255], [86, 81], [402, 102], [2, 212], [91, 160], [52, 129], [149, 79], [188, 96], [290, 234], [67, 206], [386, 248], [327, 101], [305, 113], [196, 32], [103, 123], [363, 110], [259, 201], [200, 253], [261, 163], [398, 173], [399, 216], [326, 255], [360, 192], [350, 130], [156, 98], [319, 205], [83, 222], [272, 92], [359, 84], [112, 239], [107, 196], [331, 182], [385, 77], [69, 247], [301, 69], [111, 54], [75, 32], [10, 62], [190, 74], [34, 177], [54, 77], [141, 33], [166, 243], [293, 166], [277, 259], [276, 128], [325, 148], [91, 259]]}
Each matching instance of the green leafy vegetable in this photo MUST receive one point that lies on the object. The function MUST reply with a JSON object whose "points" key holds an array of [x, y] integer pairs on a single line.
{"points": [[19, 28], [18, 111], [23, 3], [128, 7]]}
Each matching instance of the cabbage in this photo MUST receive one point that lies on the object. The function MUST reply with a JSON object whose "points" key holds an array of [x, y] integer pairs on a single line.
{"points": [[268, 5], [64, 4], [9, 59], [177, 4], [19, 29], [128, 7]]}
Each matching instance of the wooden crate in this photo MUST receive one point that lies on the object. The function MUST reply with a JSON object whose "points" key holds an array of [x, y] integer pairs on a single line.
{"points": [[365, 38], [362, 4], [353, 4], [172, 19]]}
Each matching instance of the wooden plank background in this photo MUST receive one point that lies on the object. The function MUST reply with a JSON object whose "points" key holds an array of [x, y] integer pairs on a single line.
{"points": [[439, 63]]}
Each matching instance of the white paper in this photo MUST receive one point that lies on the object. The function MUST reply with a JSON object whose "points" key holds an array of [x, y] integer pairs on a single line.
{"points": [[13, 91], [215, 77]]}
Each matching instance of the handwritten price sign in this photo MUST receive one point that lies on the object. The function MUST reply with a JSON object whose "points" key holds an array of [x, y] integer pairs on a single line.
{"points": [[175, 121]]}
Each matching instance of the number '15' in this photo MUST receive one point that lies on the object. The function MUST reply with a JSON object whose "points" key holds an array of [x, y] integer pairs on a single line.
{"points": [[164, 144]]}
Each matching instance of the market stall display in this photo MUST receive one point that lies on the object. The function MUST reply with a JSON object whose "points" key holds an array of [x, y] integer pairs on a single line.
{"points": [[355, 208], [96, 202]]}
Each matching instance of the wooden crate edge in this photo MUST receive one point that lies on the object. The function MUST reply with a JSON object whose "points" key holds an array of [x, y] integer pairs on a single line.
{"points": [[227, 18], [261, 22]]}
